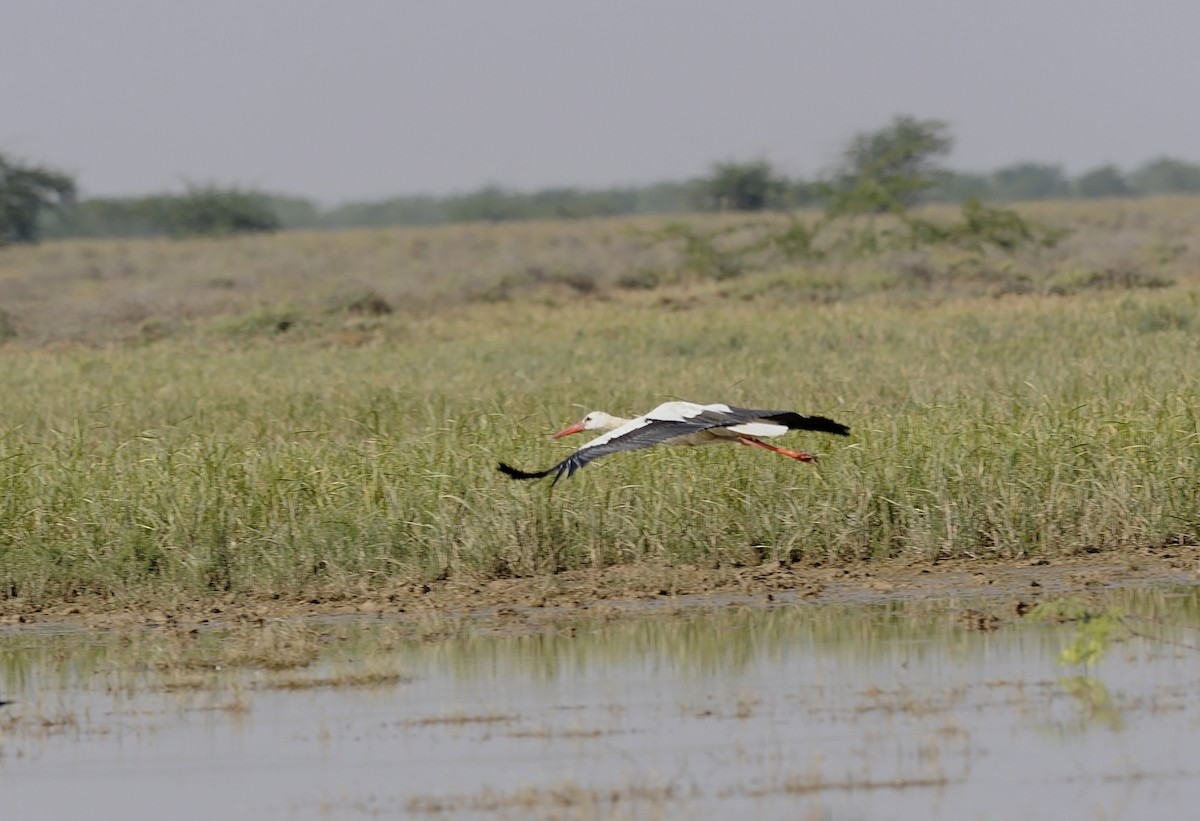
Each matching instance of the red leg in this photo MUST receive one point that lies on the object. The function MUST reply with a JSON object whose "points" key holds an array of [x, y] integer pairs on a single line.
{"points": [[798, 455]]}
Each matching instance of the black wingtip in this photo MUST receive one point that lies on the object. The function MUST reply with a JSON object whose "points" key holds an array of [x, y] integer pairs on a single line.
{"points": [[819, 424], [822, 424], [514, 473]]}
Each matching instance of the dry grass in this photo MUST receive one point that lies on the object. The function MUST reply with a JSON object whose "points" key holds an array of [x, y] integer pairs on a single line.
{"points": [[351, 283], [100, 290]]}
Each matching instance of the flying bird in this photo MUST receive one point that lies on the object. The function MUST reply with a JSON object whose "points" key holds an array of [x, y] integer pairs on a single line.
{"points": [[681, 423]]}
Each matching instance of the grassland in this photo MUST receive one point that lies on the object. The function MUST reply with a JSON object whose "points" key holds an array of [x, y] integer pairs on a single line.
{"points": [[321, 414]]}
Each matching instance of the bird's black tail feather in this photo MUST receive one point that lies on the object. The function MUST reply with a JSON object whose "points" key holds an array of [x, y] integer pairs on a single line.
{"points": [[820, 424], [514, 473]]}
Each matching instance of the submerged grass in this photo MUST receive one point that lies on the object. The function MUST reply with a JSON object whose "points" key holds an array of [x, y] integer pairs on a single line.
{"points": [[296, 464]]}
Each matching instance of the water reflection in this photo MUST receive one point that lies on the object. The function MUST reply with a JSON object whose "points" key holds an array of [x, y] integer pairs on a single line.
{"points": [[1096, 705], [725, 641], [906, 709]]}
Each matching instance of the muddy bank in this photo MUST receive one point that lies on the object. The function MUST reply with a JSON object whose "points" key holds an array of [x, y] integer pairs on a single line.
{"points": [[1011, 584]]}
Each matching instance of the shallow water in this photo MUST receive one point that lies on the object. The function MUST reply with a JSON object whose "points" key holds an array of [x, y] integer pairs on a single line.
{"points": [[796, 711]]}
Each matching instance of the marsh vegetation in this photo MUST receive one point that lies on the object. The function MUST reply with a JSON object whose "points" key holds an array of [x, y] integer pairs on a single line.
{"points": [[319, 415]]}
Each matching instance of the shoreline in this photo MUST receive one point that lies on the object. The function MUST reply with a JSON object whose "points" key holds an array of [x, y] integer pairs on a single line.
{"points": [[1013, 585]]}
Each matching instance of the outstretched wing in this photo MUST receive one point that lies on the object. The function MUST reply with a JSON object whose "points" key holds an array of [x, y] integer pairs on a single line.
{"points": [[637, 434]]}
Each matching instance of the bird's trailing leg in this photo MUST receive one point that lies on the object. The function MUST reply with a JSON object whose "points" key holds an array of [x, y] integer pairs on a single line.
{"points": [[798, 455]]}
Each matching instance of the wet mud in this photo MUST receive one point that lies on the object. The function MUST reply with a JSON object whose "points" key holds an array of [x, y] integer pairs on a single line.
{"points": [[648, 589]]}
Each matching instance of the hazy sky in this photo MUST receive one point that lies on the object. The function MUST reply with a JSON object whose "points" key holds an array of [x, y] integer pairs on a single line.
{"points": [[371, 98]]}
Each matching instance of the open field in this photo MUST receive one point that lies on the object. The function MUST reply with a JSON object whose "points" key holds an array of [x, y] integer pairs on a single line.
{"points": [[319, 415]]}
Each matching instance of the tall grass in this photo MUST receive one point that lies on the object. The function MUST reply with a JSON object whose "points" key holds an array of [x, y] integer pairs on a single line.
{"points": [[1022, 426]]}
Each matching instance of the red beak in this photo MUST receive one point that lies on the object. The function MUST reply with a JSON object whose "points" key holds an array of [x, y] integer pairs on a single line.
{"points": [[576, 428]]}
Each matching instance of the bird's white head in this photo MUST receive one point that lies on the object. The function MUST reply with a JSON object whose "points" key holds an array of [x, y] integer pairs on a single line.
{"points": [[596, 420]]}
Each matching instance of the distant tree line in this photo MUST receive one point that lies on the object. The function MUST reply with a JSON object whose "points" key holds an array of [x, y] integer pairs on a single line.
{"points": [[200, 211], [747, 186], [899, 165], [213, 211], [494, 203], [1040, 181], [751, 186], [26, 193], [889, 169]]}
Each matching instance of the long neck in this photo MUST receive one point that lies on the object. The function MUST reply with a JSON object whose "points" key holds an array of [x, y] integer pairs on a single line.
{"points": [[613, 422]]}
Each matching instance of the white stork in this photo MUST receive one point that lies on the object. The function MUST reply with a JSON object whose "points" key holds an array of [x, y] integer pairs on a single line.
{"points": [[681, 423]]}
